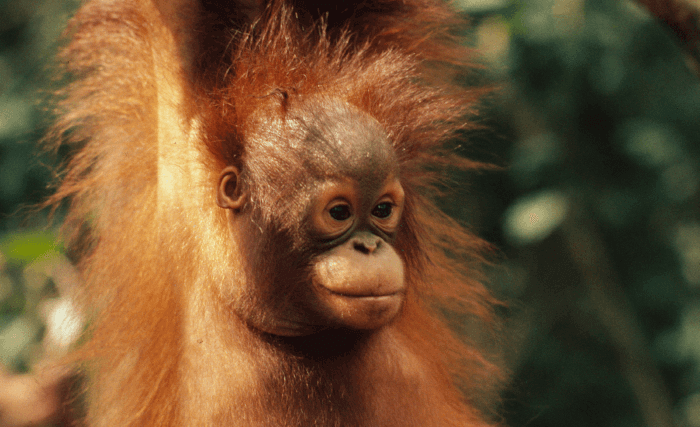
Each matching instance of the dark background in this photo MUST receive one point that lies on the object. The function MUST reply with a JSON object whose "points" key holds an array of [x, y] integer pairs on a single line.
{"points": [[595, 119]]}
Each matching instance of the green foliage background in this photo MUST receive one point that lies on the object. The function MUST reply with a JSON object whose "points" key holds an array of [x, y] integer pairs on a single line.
{"points": [[596, 120]]}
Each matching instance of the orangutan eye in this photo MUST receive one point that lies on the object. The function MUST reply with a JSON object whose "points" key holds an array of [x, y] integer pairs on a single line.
{"points": [[340, 212], [383, 210]]}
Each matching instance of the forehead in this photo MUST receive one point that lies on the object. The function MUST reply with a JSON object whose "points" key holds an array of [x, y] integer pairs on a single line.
{"points": [[328, 139], [340, 140]]}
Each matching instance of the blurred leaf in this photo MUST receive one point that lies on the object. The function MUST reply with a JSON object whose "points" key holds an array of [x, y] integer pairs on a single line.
{"points": [[27, 246], [531, 219], [16, 338]]}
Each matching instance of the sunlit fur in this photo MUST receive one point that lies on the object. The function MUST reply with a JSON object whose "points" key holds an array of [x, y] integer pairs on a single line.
{"points": [[163, 97]]}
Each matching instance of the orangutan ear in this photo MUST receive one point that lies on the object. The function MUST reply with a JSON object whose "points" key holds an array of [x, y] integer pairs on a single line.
{"points": [[230, 194]]}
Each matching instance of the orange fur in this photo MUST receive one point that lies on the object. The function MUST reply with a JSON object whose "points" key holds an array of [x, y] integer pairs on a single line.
{"points": [[166, 94]]}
